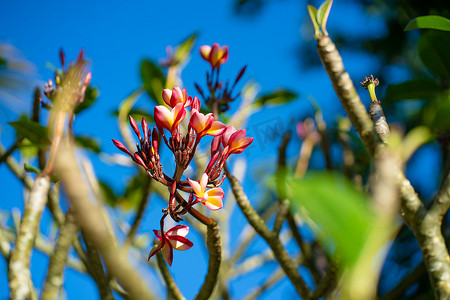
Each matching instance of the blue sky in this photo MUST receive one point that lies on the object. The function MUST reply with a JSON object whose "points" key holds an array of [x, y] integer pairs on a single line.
{"points": [[117, 36]]}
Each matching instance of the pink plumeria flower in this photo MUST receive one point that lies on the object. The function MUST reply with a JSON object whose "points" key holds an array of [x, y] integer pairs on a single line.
{"points": [[212, 199], [175, 96], [205, 124], [169, 119], [215, 55], [174, 238], [235, 140]]}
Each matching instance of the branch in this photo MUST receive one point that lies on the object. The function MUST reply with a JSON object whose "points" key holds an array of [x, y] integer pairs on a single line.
{"points": [[58, 258], [19, 264], [91, 222], [288, 265], [173, 290], [426, 228], [215, 251], [140, 211], [406, 282]]}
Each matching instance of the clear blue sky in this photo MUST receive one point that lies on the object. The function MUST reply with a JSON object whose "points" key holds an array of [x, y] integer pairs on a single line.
{"points": [[117, 36]]}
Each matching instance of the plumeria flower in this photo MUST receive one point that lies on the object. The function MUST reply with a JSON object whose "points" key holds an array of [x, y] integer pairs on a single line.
{"points": [[235, 140], [175, 96], [169, 119], [174, 238], [212, 199], [205, 124], [215, 55]]}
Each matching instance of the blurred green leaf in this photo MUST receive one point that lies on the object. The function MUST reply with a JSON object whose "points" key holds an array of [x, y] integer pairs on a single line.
{"points": [[137, 114], [183, 50], [31, 169], [433, 48], [313, 15], [340, 211], [429, 22], [418, 89], [322, 14], [108, 194], [133, 192], [2, 61], [153, 80], [436, 112], [277, 97], [33, 131], [88, 143], [89, 98]]}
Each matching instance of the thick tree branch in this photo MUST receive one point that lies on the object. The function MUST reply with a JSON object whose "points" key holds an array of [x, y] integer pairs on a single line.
{"points": [[19, 264], [58, 259], [283, 258], [215, 256], [172, 288], [426, 228], [91, 222]]}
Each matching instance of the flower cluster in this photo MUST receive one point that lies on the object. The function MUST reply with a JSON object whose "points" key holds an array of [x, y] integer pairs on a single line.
{"points": [[220, 93], [182, 136]]}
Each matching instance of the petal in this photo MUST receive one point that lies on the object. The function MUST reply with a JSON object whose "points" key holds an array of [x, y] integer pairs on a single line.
{"points": [[166, 95], [196, 187], [205, 51], [163, 117], [216, 129], [204, 182], [226, 135], [181, 230], [177, 97], [239, 146], [180, 243], [196, 103], [167, 252], [155, 249], [198, 121], [157, 233], [215, 197], [178, 113], [224, 54]]}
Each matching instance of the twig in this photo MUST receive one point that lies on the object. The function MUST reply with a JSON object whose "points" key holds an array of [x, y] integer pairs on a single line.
{"points": [[272, 240], [140, 211], [91, 222], [215, 256], [58, 258], [19, 264], [96, 270], [172, 288], [406, 282], [271, 280]]}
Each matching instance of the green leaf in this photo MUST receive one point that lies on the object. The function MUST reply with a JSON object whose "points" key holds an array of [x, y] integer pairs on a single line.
{"points": [[108, 194], [31, 169], [153, 80], [429, 22], [337, 208], [277, 97], [89, 98], [3, 61], [418, 89], [183, 50], [33, 131], [313, 15], [433, 48], [322, 15], [436, 112], [88, 143]]}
